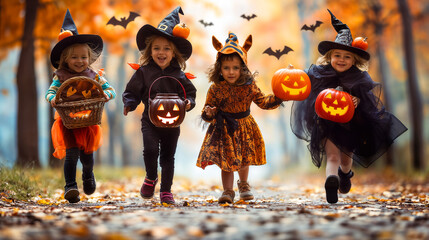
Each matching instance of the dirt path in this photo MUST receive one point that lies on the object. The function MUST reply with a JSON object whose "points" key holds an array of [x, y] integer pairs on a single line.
{"points": [[282, 210]]}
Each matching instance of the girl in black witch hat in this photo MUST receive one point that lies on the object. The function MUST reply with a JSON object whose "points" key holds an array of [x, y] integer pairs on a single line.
{"points": [[366, 136], [72, 56], [162, 54]]}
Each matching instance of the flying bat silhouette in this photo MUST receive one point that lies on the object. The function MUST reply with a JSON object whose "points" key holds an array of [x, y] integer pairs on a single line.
{"points": [[124, 21], [312, 27], [248, 17], [205, 23], [277, 53]]}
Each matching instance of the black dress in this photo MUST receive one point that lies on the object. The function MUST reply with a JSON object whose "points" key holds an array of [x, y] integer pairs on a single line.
{"points": [[366, 137]]}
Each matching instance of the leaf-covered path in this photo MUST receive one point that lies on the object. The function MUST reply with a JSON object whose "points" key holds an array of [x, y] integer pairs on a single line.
{"points": [[374, 209]]}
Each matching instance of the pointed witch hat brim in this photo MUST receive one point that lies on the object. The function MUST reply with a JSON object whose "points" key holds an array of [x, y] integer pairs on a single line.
{"points": [[343, 40], [165, 29], [95, 42]]}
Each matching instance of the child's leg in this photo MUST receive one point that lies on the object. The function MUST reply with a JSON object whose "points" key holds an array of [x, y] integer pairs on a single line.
{"points": [[227, 183], [333, 158], [88, 179], [243, 185], [150, 149], [345, 173], [70, 163], [71, 193], [169, 138]]}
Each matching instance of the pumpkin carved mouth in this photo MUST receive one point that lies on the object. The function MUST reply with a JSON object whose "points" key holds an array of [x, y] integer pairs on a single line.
{"points": [[294, 91], [335, 110], [168, 119]]}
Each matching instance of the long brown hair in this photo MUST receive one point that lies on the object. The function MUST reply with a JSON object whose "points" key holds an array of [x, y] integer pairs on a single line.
{"points": [[214, 72], [146, 54]]}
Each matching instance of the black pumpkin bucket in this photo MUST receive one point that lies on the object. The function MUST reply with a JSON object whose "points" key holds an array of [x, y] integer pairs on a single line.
{"points": [[167, 110]]}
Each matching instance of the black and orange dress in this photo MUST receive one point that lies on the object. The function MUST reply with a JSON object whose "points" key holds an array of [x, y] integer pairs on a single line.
{"points": [[233, 139]]}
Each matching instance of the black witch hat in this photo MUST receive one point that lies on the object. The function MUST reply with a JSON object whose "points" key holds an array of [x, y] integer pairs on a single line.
{"points": [[342, 41], [165, 29], [94, 41]]}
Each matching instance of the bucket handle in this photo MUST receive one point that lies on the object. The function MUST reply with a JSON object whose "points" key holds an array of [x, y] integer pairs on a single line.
{"points": [[150, 88]]}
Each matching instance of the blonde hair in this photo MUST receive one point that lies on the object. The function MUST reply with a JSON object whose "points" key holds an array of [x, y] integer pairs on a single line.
{"points": [[360, 62], [67, 52], [146, 54], [214, 72]]}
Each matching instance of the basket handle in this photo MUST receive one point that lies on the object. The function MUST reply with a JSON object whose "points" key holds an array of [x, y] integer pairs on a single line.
{"points": [[75, 79], [150, 88]]}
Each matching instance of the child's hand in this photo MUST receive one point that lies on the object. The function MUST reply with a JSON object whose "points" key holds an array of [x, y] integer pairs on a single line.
{"points": [[188, 104], [126, 110], [356, 101], [210, 111], [53, 103], [106, 96]]}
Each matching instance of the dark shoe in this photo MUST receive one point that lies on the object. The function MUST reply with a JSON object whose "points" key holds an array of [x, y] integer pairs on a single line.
{"points": [[166, 197], [331, 188], [227, 197], [89, 185], [71, 194], [148, 188], [244, 189], [345, 183]]}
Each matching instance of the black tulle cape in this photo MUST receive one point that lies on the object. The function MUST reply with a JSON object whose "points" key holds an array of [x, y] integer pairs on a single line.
{"points": [[366, 137]]}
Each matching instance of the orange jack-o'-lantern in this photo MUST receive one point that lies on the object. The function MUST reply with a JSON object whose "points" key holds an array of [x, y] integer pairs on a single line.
{"points": [[291, 84], [167, 110], [335, 105]]}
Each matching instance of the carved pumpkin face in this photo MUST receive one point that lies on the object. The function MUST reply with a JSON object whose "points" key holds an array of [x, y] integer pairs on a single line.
{"points": [[166, 110], [80, 90], [335, 105], [291, 84]]}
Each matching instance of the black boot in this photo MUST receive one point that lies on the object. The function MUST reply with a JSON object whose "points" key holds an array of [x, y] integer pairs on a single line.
{"points": [[345, 183], [89, 184], [71, 193], [331, 188]]}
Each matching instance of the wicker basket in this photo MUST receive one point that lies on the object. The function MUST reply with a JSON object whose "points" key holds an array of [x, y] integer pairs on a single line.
{"points": [[80, 113]]}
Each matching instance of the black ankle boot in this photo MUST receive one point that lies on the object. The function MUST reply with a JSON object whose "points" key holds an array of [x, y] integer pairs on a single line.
{"points": [[89, 184], [71, 193], [345, 183], [331, 188]]}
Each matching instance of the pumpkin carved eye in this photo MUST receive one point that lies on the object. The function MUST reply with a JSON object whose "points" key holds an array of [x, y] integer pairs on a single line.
{"points": [[176, 108], [161, 107]]}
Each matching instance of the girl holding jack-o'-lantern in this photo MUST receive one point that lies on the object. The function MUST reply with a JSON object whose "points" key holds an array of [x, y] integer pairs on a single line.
{"points": [[72, 57], [368, 134], [163, 56], [233, 140]]}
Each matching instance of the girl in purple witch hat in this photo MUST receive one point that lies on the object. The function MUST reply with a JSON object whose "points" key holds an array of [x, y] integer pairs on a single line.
{"points": [[162, 54], [366, 136]]}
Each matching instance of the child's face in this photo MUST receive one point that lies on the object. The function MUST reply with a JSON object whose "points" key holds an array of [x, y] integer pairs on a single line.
{"points": [[230, 69], [78, 60], [162, 52], [342, 60]]}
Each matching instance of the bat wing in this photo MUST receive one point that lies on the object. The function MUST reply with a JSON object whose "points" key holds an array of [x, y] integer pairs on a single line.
{"points": [[253, 16], [269, 51], [113, 21], [132, 16], [305, 27], [318, 23], [286, 50]]}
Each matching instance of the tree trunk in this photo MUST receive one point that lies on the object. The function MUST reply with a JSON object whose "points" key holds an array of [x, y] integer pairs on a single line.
{"points": [[28, 152], [413, 88]]}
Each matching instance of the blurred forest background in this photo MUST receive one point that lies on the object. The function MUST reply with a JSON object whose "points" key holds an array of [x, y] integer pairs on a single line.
{"points": [[398, 39]]}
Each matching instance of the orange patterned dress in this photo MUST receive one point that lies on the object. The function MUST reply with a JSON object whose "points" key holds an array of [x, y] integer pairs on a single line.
{"points": [[237, 141]]}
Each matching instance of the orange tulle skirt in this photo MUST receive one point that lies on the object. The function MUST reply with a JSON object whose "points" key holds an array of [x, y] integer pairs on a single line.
{"points": [[88, 139]]}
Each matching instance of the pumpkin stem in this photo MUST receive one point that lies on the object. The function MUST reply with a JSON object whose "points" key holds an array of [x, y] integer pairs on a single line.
{"points": [[339, 88], [365, 39], [290, 66]]}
